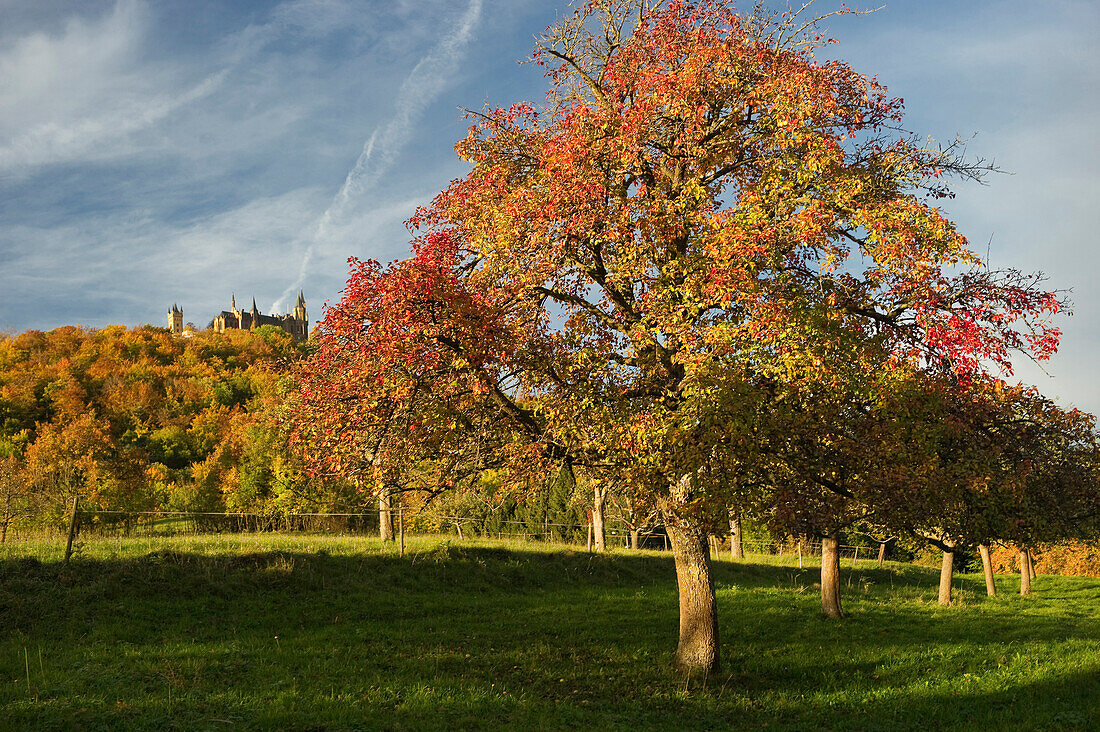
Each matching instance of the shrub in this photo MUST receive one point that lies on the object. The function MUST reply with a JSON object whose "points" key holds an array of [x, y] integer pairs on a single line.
{"points": [[1077, 558]]}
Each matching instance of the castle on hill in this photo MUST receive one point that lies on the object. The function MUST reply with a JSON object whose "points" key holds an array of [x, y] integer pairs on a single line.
{"points": [[295, 323]]}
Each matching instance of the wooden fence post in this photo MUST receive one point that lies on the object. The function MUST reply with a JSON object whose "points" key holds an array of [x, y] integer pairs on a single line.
{"points": [[72, 530], [401, 524]]}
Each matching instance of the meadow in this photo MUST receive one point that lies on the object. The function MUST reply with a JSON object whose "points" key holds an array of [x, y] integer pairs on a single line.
{"points": [[338, 632]]}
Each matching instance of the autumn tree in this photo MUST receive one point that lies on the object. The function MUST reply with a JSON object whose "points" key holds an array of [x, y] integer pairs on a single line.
{"points": [[942, 461], [831, 458], [66, 462], [702, 214], [384, 406], [15, 493]]}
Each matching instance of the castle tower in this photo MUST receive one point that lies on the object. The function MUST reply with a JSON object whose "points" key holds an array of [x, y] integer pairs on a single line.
{"points": [[175, 319], [301, 316], [255, 320]]}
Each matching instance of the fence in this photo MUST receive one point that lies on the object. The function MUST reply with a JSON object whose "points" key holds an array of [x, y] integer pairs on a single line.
{"points": [[170, 523], [127, 523], [132, 523]]}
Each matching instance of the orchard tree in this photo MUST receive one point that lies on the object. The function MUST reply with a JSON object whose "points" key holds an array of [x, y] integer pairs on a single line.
{"points": [[832, 457], [1033, 472], [385, 403], [948, 463], [702, 212]]}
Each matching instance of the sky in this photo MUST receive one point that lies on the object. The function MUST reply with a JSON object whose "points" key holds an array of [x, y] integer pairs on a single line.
{"points": [[155, 152]]}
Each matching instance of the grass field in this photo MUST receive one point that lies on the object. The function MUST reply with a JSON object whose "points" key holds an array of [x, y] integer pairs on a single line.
{"points": [[316, 632]]}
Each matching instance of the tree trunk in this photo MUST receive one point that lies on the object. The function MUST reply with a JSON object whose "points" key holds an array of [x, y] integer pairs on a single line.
{"points": [[697, 648], [881, 553], [401, 524], [947, 572], [830, 577], [7, 518], [385, 515], [634, 538], [1025, 574], [737, 548], [987, 570], [599, 497]]}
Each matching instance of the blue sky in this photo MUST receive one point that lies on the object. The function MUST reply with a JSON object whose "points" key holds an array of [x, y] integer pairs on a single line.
{"points": [[176, 151]]}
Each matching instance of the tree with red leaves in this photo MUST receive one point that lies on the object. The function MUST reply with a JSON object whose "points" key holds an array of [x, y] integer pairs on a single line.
{"points": [[703, 213]]}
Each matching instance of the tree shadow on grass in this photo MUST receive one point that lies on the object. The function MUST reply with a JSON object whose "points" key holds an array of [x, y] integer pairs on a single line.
{"points": [[473, 637]]}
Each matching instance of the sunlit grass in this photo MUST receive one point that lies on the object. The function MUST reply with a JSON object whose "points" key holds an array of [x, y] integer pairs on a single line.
{"points": [[339, 632]]}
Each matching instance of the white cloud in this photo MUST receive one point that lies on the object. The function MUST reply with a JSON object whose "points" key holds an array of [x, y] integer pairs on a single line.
{"points": [[97, 135], [100, 90], [83, 91]]}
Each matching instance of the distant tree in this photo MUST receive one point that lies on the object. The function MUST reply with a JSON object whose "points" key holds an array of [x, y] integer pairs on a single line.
{"points": [[15, 494], [1032, 472], [66, 462]]}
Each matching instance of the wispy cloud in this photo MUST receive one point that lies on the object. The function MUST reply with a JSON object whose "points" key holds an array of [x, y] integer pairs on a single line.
{"points": [[97, 136], [97, 89], [421, 87], [80, 94]]}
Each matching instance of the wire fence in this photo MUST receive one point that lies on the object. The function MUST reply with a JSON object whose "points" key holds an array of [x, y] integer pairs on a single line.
{"points": [[95, 523]]}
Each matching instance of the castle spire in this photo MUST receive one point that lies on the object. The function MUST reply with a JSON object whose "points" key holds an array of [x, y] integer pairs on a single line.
{"points": [[175, 318]]}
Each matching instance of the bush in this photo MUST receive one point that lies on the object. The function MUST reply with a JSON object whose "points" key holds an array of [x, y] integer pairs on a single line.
{"points": [[1071, 558]]}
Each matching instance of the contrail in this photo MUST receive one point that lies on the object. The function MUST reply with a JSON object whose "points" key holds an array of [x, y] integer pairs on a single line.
{"points": [[423, 84]]}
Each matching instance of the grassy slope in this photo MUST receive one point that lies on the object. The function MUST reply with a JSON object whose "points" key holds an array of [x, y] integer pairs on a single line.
{"points": [[314, 632]]}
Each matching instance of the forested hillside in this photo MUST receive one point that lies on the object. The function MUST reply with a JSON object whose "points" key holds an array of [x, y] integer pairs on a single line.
{"points": [[138, 419]]}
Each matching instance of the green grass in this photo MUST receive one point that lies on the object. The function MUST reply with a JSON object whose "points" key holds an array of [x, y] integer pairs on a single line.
{"points": [[316, 632]]}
